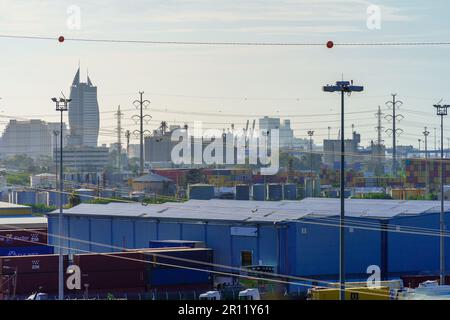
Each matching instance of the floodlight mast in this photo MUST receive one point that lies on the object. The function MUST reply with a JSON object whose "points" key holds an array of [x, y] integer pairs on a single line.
{"points": [[441, 111], [342, 87], [61, 106]]}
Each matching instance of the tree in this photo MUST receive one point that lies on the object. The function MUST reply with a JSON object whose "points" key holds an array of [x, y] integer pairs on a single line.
{"points": [[74, 200], [194, 176]]}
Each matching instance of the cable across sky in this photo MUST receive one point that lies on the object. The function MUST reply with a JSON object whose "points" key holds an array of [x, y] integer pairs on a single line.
{"points": [[329, 44]]}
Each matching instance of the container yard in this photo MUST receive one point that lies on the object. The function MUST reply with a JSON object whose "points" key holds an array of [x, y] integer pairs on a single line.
{"points": [[144, 271], [291, 236]]}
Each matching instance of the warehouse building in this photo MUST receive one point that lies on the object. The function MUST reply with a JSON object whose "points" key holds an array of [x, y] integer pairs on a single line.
{"points": [[11, 209], [297, 238]]}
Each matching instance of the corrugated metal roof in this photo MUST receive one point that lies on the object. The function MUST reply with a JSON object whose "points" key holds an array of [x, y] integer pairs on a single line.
{"points": [[152, 177], [23, 222], [7, 205], [259, 211]]}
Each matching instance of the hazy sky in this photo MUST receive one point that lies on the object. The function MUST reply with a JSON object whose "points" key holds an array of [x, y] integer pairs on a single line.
{"points": [[223, 81]]}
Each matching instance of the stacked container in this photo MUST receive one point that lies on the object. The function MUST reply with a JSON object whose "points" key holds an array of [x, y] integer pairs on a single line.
{"points": [[123, 271], [259, 192], [290, 191], [201, 192], [24, 242], [242, 192], [33, 273]]}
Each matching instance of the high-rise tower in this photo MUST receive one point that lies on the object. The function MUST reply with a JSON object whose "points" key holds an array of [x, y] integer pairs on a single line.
{"points": [[84, 119]]}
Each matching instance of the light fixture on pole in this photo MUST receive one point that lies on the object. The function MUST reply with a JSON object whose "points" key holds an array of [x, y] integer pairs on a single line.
{"points": [[441, 111], [310, 135], [61, 106], [343, 87]]}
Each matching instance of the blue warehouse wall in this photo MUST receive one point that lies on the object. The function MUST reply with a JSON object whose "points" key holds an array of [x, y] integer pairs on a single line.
{"points": [[108, 234], [79, 230], [317, 250], [123, 233], [219, 238], [169, 231], [194, 232], [416, 253], [101, 234], [145, 231], [239, 244], [53, 229], [267, 238]]}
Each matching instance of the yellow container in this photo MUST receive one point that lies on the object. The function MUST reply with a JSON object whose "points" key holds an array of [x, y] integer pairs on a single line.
{"points": [[363, 293]]}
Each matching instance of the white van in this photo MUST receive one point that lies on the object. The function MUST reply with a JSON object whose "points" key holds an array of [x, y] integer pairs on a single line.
{"points": [[249, 294], [210, 295]]}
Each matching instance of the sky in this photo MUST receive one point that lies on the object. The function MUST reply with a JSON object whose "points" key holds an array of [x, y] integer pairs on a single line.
{"points": [[220, 85]]}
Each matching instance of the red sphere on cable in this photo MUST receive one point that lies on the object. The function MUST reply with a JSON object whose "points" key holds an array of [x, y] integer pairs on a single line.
{"points": [[61, 39], [330, 44]]}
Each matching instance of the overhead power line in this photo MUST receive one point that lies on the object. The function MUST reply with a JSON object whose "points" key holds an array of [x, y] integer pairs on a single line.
{"points": [[230, 43]]}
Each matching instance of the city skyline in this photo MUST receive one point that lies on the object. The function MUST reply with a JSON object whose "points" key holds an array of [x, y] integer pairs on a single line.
{"points": [[274, 81]]}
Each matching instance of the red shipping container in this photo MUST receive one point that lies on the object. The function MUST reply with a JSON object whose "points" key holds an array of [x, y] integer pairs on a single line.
{"points": [[28, 283], [113, 279], [31, 264], [110, 262], [22, 238]]}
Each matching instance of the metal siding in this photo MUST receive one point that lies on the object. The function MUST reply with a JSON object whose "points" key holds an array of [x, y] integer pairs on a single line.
{"points": [[318, 250], [413, 253], [145, 231], [101, 233], [123, 233], [193, 232], [79, 230], [241, 243], [169, 231], [268, 245], [53, 228], [218, 238]]}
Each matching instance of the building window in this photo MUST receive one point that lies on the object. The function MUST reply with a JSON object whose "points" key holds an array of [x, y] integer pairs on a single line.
{"points": [[246, 258]]}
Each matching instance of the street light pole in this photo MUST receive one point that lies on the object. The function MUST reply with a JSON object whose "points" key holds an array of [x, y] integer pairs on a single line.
{"points": [[441, 110], [426, 133], [310, 135], [61, 106], [342, 87]]}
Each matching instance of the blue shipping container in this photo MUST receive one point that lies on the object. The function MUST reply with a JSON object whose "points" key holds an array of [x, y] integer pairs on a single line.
{"points": [[242, 192], [171, 244], [177, 276], [201, 192], [259, 192], [26, 251]]}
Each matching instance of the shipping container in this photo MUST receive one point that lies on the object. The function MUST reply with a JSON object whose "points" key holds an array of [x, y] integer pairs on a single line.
{"points": [[28, 283], [31, 264], [364, 293], [113, 279], [201, 192], [290, 191], [26, 251], [110, 262], [177, 276], [259, 192], [176, 244], [194, 258], [22, 238], [242, 192]]}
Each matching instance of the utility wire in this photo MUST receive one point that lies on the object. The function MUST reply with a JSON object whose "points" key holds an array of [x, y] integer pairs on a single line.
{"points": [[234, 43]]}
